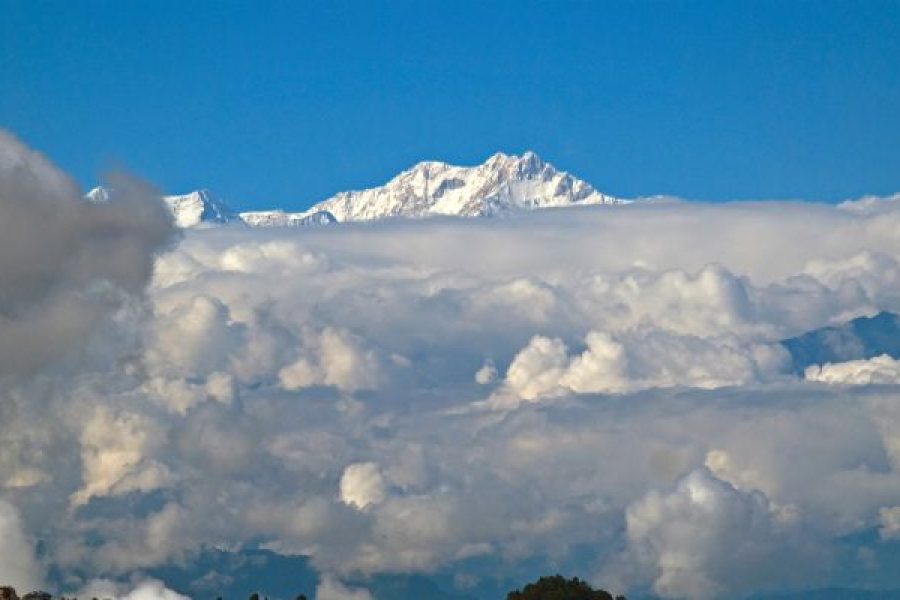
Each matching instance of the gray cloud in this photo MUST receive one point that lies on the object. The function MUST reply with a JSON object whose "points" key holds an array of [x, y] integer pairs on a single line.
{"points": [[66, 265], [63, 261]]}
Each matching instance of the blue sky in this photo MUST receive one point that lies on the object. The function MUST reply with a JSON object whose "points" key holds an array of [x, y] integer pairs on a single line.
{"points": [[283, 104]]}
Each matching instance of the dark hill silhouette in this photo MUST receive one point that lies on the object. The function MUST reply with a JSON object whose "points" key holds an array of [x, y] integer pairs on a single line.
{"points": [[861, 338]]}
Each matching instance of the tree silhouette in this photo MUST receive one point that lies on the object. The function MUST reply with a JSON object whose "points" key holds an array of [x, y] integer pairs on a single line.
{"points": [[558, 587]]}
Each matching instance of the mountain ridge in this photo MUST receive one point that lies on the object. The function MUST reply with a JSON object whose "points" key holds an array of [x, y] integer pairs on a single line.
{"points": [[503, 183]]}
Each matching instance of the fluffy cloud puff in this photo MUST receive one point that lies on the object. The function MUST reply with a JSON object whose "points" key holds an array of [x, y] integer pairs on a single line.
{"points": [[149, 589], [18, 565], [332, 589], [880, 369], [324, 392], [544, 368], [362, 485], [890, 522], [706, 539]]}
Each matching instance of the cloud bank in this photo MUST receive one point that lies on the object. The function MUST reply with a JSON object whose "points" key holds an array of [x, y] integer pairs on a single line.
{"points": [[600, 390]]}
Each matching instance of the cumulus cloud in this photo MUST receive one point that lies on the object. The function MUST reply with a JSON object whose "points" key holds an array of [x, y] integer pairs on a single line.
{"points": [[545, 369], [321, 391], [336, 359], [890, 522], [486, 374], [149, 589], [332, 589], [706, 539], [362, 485], [64, 260], [68, 267], [881, 369], [114, 455]]}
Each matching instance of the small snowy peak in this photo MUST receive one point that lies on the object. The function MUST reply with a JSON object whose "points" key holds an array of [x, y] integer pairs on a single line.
{"points": [[99, 194], [198, 208], [201, 209], [279, 218], [502, 183]]}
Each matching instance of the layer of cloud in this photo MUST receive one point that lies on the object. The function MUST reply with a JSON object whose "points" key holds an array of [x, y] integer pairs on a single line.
{"points": [[599, 391]]}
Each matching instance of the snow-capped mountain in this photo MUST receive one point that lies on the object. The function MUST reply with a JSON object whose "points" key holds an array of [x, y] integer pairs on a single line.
{"points": [[502, 183], [197, 208]]}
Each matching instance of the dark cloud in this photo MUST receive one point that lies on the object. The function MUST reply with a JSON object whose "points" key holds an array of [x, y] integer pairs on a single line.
{"points": [[64, 262]]}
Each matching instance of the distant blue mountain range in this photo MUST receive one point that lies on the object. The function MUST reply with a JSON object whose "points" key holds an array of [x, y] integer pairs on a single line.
{"points": [[860, 338]]}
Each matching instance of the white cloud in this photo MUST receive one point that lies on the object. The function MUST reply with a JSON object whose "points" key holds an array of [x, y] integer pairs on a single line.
{"points": [[116, 455], [706, 539], [18, 565], [487, 374], [544, 368], [149, 589], [362, 485], [335, 358], [890, 522], [880, 369], [332, 589]]}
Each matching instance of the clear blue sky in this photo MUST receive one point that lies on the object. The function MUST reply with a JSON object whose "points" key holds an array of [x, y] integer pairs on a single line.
{"points": [[283, 104]]}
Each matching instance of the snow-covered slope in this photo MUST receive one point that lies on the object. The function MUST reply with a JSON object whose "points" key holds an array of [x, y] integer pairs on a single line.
{"points": [[279, 218], [198, 208], [501, 184], [203, 209]]}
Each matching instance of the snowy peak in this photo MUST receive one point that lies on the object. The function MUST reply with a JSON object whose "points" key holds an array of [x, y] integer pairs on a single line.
{"points": [[198, 208], [502, 183], [201, 209], [527, 165]]}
